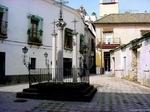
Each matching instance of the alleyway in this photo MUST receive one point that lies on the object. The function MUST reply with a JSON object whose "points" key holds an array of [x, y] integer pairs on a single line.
{"points": [[113, 95]]}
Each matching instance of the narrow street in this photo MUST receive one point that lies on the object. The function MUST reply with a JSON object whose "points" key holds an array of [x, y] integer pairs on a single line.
{"points": [[113, 95]]}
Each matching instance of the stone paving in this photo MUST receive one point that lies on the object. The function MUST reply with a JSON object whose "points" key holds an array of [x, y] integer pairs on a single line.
{"points": [[113, 95]]}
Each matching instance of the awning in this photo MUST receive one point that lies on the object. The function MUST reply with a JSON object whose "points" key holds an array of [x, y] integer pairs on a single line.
{"points": [[35, 18]]}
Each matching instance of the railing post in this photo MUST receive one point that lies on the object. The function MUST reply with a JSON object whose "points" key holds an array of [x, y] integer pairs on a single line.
{"points": [[29, 76]]}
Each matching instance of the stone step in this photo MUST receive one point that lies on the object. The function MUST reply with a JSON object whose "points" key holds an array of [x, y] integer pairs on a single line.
{"points": [[69, 94], [35, 90], [60, 97]]}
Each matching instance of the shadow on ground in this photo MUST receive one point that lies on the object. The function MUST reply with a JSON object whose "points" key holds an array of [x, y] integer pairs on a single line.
{"points": [[123, 102], [102, 102]]}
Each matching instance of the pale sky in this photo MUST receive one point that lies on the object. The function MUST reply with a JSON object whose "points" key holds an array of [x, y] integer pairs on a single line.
{"points": [[135, 6]]}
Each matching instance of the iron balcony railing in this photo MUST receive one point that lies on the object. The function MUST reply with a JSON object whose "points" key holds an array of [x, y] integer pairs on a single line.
{"points": [[110, 40], [40, 75], [3, 29], [35, 37]]}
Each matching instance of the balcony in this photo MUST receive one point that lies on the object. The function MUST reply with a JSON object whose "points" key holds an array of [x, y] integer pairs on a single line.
{"points": [[109, 43], [35, 38], [3, 30]]}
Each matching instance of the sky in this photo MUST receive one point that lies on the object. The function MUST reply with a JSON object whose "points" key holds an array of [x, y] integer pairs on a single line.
{"points": [[135, 6]]}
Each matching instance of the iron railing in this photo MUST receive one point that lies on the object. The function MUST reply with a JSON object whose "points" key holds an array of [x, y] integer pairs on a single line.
{"points": [[35, 37], [41, 75], [110, 40]]}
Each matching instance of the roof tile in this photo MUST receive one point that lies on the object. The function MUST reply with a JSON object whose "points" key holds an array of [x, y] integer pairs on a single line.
{"points": [[125, 18]]}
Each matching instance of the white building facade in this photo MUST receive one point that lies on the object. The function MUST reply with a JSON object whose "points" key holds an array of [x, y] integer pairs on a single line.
{"points": [[131, 61], [29, 23]]}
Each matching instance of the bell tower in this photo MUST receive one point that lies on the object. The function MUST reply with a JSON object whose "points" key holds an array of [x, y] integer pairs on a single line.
{"points": [[108, 7]]}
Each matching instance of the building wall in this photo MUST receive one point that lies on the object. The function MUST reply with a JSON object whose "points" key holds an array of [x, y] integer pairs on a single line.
{"points": [[89, 58], [18, 11], [129, 32], [106, 9], [144, 69], [116, 67], [142, 62], [126, 32]]}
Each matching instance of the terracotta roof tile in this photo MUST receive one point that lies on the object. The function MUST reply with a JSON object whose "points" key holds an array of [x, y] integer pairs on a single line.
{"points": [[125, 18]]}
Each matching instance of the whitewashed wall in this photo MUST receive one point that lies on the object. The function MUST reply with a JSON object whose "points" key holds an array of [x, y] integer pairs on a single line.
{"points": [[116, 66], [143, 62], [18, 10], [144, 72], [125, 32]]}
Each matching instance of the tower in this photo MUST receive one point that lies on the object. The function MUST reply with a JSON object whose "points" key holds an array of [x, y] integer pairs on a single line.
{"points": [[108, 7]]}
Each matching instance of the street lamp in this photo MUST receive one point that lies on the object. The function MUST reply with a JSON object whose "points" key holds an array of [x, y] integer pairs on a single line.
{"points": [[46, 60], [25, 50], [27, 64], [47, 63], [46, 54]]}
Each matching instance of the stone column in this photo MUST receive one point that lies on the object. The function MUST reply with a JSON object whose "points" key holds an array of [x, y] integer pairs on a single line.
{"points": [[60, 47], [74, 57], [134, 65], [54, 56]]}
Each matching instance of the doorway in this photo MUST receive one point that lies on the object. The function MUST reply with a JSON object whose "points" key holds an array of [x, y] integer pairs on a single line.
{"points": [[67, 66], [107, 61], [2, 66]]}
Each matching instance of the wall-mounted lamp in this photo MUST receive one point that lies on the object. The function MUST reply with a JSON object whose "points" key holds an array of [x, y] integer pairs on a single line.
{"points": [[46, 60]]}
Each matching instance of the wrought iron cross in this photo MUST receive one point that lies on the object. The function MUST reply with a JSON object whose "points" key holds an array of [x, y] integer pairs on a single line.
{"points": [[61, 3]]}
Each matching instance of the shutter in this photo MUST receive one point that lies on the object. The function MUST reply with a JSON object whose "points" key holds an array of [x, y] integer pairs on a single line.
{"points": [[4, 21], [82, 40], [35, 18], [40, 29], [29, 27]]}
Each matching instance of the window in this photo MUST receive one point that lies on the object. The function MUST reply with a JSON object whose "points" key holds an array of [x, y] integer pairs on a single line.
{"points": [[82, 40], [35, 31], [108, 37], [68, 38], [33, 63], [3, 21], [34, 28], [82, 43]]}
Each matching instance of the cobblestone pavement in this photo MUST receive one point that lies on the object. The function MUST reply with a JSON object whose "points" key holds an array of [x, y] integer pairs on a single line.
{"points": [[113, 95]]}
